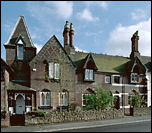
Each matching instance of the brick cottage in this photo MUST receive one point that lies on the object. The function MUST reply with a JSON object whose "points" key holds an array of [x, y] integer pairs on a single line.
{"points": [[61, 76]]}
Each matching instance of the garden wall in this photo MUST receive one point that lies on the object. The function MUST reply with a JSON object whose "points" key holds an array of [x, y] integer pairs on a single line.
{"points": [[72, 116], [139, 111], [5, 122]]}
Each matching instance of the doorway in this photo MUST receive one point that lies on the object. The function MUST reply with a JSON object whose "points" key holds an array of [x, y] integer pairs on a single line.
{"points": [[20, 105]]}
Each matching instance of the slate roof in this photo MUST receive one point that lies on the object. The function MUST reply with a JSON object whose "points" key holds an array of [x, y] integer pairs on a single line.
{"points": [[3, 63], [146, 61], [15, 86], [20, 29], [104, 63]]}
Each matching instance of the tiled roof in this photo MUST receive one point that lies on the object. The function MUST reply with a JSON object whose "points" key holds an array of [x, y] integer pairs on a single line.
{"points": [[105, 63], [20, 29], [146, 61], [15, 86]]}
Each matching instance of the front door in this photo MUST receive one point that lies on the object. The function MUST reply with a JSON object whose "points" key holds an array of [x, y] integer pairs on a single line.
{"points": [[116, 102], [20, 105]]}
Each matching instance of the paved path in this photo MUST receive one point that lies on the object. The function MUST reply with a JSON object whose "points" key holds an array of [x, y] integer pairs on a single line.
{"points": [[76, 125]]}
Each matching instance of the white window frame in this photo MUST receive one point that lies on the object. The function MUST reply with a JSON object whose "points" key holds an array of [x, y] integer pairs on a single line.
{"points": [[134, 74], [45, 93], [88, 75], [106, 78], [83, 98], [57, 71], [51, 69], [62, 103]]}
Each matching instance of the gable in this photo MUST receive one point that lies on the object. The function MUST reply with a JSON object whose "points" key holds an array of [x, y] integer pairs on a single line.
{"points": [[135, 65], [88, 62], [20, 29], [51, 51]]}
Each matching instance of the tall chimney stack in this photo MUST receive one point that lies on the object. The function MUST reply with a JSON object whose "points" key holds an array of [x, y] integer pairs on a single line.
{"points": [[66, 33], [71, 35], [134, 45], [134, 41]]}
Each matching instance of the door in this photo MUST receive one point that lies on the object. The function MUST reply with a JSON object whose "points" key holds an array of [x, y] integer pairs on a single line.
{"points": [[20, 105], [116, 102]]}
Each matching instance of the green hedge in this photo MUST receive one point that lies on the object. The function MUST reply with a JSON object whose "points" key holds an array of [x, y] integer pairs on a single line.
{"points": [[36, 113]]}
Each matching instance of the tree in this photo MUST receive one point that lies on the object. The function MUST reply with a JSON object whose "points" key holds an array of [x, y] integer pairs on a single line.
{"points": [[101, 99], [137, 100]]}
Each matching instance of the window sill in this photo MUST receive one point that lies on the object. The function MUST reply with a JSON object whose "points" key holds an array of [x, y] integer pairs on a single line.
{"points": [[52, 80], [107, 83], [45, 107], [87, 80]]}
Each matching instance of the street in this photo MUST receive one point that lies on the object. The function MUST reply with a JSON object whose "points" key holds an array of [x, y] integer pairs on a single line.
{"points": [[130, 127]]}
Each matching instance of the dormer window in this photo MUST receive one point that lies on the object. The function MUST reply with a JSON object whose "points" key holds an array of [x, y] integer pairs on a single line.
{"points": [[89, 75], [20, 48], [134, 78]]}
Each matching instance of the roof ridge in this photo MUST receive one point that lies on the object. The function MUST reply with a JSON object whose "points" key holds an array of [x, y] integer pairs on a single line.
{"points": [[101, 54]]}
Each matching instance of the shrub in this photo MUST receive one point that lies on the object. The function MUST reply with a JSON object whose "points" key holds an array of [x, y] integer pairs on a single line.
{"points": [[36, 113], [102, 99]]}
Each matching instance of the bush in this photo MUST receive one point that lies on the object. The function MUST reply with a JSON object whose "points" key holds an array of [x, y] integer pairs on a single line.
{"points": [[137, 100], [36, 113], [102, 99]]}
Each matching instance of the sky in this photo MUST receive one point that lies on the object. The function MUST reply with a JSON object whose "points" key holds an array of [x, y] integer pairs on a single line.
{"points": [[104, 27]]}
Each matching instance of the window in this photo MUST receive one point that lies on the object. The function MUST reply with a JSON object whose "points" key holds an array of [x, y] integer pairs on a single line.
{"points": [[107, 79], [20, 52], [134, 78], [54, 70], [51, 70], [45, 98], [88, 74], [117, 79], [63, 99], [86, 93], [57, 71], [84, 100]]}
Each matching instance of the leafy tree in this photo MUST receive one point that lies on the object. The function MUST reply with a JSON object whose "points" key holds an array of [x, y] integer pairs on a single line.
{"points": [[101, 99], [137, 100]]}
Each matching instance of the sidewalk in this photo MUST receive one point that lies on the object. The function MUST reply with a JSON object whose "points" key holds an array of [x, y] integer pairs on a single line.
{"points": [[76, 125]]}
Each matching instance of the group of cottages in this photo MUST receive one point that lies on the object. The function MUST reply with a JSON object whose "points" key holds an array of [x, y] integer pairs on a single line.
{"points": [[60, 76]]}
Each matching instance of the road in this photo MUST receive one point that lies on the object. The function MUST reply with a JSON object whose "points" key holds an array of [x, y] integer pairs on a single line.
{"points": [[129, 127]]}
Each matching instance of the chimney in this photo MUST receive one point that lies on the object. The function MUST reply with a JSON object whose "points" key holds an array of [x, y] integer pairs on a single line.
{"points": [[134, 41], [71, 35], [66, 33]]}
